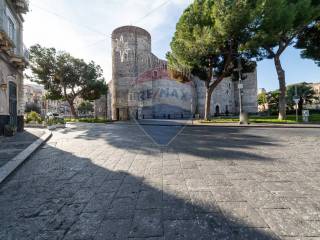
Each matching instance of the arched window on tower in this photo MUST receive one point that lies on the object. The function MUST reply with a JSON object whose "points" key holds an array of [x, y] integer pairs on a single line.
{"points": [[155, 74]]}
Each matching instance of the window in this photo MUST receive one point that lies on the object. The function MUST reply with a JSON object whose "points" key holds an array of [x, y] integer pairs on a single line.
{"points": [[12, 25], [155, 74], [11, 29]]}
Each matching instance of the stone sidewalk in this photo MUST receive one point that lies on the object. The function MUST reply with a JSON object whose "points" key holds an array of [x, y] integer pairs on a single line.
{"points": [[12, 146], [96, 181]]}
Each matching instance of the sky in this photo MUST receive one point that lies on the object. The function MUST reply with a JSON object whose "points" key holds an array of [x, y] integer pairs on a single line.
{"points": [[83, 28]]}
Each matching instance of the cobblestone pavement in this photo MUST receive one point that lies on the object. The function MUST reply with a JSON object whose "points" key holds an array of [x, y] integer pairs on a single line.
{"points": [[12, 146], [111, 182]]}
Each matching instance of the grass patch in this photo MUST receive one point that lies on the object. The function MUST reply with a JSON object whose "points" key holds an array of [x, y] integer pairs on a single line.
{"points": [[88, 120], [314, 118]]}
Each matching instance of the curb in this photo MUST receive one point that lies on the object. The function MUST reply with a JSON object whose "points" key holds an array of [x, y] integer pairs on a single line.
{"points": [[219, 125], [15, 162], [301, 126]]}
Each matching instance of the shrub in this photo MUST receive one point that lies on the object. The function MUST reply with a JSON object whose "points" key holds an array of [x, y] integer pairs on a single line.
{"points": [[88, 120], [53, 121], [10, 130], [33, 117]]}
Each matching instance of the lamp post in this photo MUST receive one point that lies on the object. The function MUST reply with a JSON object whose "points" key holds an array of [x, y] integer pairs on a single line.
{"points": [[3, 86], [243, 117], [296, 99]]}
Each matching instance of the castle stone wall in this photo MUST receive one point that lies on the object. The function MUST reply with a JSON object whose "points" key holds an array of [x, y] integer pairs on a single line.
{"points": [[142, 88]]}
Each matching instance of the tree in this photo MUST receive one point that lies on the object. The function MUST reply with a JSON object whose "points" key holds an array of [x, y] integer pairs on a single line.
{"points": [[207, 43], [305, 93], [278, 23], [273, 101], [262, 100], [85, 107], [309, 42], [32, 107], [65, 77]]}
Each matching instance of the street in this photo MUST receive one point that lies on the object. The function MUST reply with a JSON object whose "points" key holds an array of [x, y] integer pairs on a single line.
{"points": [[111, 181]]}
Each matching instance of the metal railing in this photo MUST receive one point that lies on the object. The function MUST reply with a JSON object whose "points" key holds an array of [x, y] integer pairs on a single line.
{"points": [[18, 48], [26, 53]]}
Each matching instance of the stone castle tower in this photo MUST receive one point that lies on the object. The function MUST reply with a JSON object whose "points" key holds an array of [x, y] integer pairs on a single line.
{"points": [[141, 87], [131, 46]]}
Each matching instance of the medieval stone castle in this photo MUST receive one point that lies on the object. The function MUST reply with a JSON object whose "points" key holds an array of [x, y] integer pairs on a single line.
{"points": [[141, 88]]}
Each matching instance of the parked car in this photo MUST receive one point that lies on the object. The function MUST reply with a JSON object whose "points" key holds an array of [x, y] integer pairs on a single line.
{"points": [[53, 115]]}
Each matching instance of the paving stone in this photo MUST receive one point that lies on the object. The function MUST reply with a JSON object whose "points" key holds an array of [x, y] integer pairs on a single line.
{"points": [[265, 199], [173, 179], [66, 217], [192, 174], [305, 208], [227, 194], [147, 223], [121, 208], [192, 229], [189, 165], [149, 199], [285, 223], [83, 195], [109, 182], [99, 202], [178, 209], [151, 238], [114, 229], [85, 227], [109, 186], [217, 180], [50, 235], [128, 191], [197, 185], [254, 234], [203, 202], [241, 214]]}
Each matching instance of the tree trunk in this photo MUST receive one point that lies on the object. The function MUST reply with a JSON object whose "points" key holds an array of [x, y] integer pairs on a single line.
{"points": [[300, 106], [282, 88], [207, 112], [73, 110]]}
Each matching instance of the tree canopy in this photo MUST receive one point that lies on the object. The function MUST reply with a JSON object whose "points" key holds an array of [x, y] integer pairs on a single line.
{"points": [[304, 92], [208, 40], [64, 76], [309, 42], [276, 26], [85, 107]]}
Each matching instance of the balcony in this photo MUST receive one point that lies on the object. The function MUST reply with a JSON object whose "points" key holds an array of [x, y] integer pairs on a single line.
{"points": [[21, 6], [11, 43], [20, 58]]}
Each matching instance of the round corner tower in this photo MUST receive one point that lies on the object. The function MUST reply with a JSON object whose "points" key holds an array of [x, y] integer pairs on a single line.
{"points": [[130, 44]]}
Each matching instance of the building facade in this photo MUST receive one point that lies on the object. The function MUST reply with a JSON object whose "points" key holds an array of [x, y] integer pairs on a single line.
{"points": [[13, 60], [141, 86], [316, 103], [34, 94]]}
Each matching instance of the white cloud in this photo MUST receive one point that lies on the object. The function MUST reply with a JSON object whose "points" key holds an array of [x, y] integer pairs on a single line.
{"points": [[43, 26]]}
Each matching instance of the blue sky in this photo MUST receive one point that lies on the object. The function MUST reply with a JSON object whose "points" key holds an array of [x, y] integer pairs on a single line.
{"points": [[84, 28]]}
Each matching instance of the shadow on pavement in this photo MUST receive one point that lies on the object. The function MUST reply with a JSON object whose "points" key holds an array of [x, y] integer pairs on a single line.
{"points": [[12, 146], [61, 195], [203, 143]]}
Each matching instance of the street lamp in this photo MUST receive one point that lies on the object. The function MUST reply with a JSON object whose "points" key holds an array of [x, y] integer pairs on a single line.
{"points": [[3, 85], [243, 117]]}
